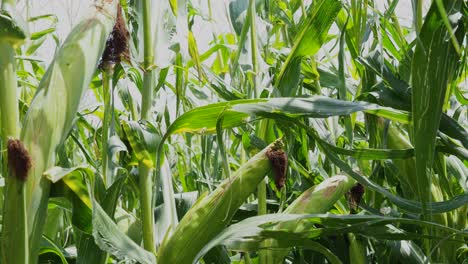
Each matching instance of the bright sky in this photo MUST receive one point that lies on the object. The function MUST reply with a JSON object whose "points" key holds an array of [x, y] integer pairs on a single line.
{"points": [[70, 12]]}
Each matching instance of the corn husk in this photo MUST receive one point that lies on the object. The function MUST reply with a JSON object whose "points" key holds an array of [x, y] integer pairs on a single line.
{"points": [[213, 213], [317, 199]]}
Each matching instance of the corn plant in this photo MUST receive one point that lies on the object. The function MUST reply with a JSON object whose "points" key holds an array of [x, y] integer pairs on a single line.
{"points": [[48, 121], [240, 131]]}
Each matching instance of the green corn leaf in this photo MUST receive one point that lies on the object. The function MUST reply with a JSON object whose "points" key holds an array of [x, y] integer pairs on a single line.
{"points": [[288, 85], [72, 177], [194, 54], [314, 32], [81, 201], [203, 119], [307, 42], [109, 238], [144, 140], [115, 146], [409, 205], [434, 64], [412, 254], [49, 247], [174, 7], [399, 97], [42, 33], [248, 234], [105, 231], [237, 13]]}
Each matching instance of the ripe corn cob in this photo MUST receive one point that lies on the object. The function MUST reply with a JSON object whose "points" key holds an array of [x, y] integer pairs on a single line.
{"points": [[317, 199], [210, 215]]}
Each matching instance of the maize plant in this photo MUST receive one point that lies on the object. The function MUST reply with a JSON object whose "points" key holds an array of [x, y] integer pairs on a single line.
{"points": [[238, 131]]}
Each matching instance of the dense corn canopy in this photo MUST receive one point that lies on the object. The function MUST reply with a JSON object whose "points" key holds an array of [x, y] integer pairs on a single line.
{"points": [[237, 131]]}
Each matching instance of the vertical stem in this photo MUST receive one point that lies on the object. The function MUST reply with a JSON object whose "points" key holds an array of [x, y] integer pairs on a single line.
{"points": [[146, 181], [147, 96], [342, 90], [253, 45], [179, 71], [304, 12], [8, 93], [15, 238], [418, 20], [262, 194], [253, 40], [146, 195], [107, 88], [222, 150], [261, 189]]}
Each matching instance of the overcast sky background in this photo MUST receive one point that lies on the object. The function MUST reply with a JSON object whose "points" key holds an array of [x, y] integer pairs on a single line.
{"points": [[70, 12]]}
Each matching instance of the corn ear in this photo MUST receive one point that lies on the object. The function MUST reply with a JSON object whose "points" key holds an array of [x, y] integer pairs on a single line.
{"points": [[317, 199], [14, 229], [52, 111], [14, 242], [211, 215]]}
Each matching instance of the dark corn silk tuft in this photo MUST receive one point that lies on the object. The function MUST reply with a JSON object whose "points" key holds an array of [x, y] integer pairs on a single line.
{"points": [[354, 196], [117, 43], [19, 160], [279, 162]]}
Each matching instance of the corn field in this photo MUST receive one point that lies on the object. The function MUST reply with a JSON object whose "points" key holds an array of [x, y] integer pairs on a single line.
{"points": [[323, 131]]}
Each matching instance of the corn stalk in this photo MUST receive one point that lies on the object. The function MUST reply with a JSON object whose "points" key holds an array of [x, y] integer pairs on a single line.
{"points": [[14, 246], [50, 117], [145, 172]]}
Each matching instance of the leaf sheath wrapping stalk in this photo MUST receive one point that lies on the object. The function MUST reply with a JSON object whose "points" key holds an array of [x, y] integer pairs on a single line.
{"points": [[317, 199], [14, 242], [209, 216], [406, 168], [52, 111]]}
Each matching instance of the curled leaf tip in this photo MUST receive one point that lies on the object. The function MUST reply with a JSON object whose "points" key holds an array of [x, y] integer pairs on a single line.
{"points": [[19, 160], [279, 162]]}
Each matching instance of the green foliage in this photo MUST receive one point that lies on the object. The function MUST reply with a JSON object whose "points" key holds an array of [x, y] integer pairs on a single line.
{"points": [[162, 158]]}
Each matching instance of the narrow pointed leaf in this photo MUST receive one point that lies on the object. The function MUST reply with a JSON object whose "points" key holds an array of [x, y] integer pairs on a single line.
{"points": [[203, 119], [433, 67]]}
